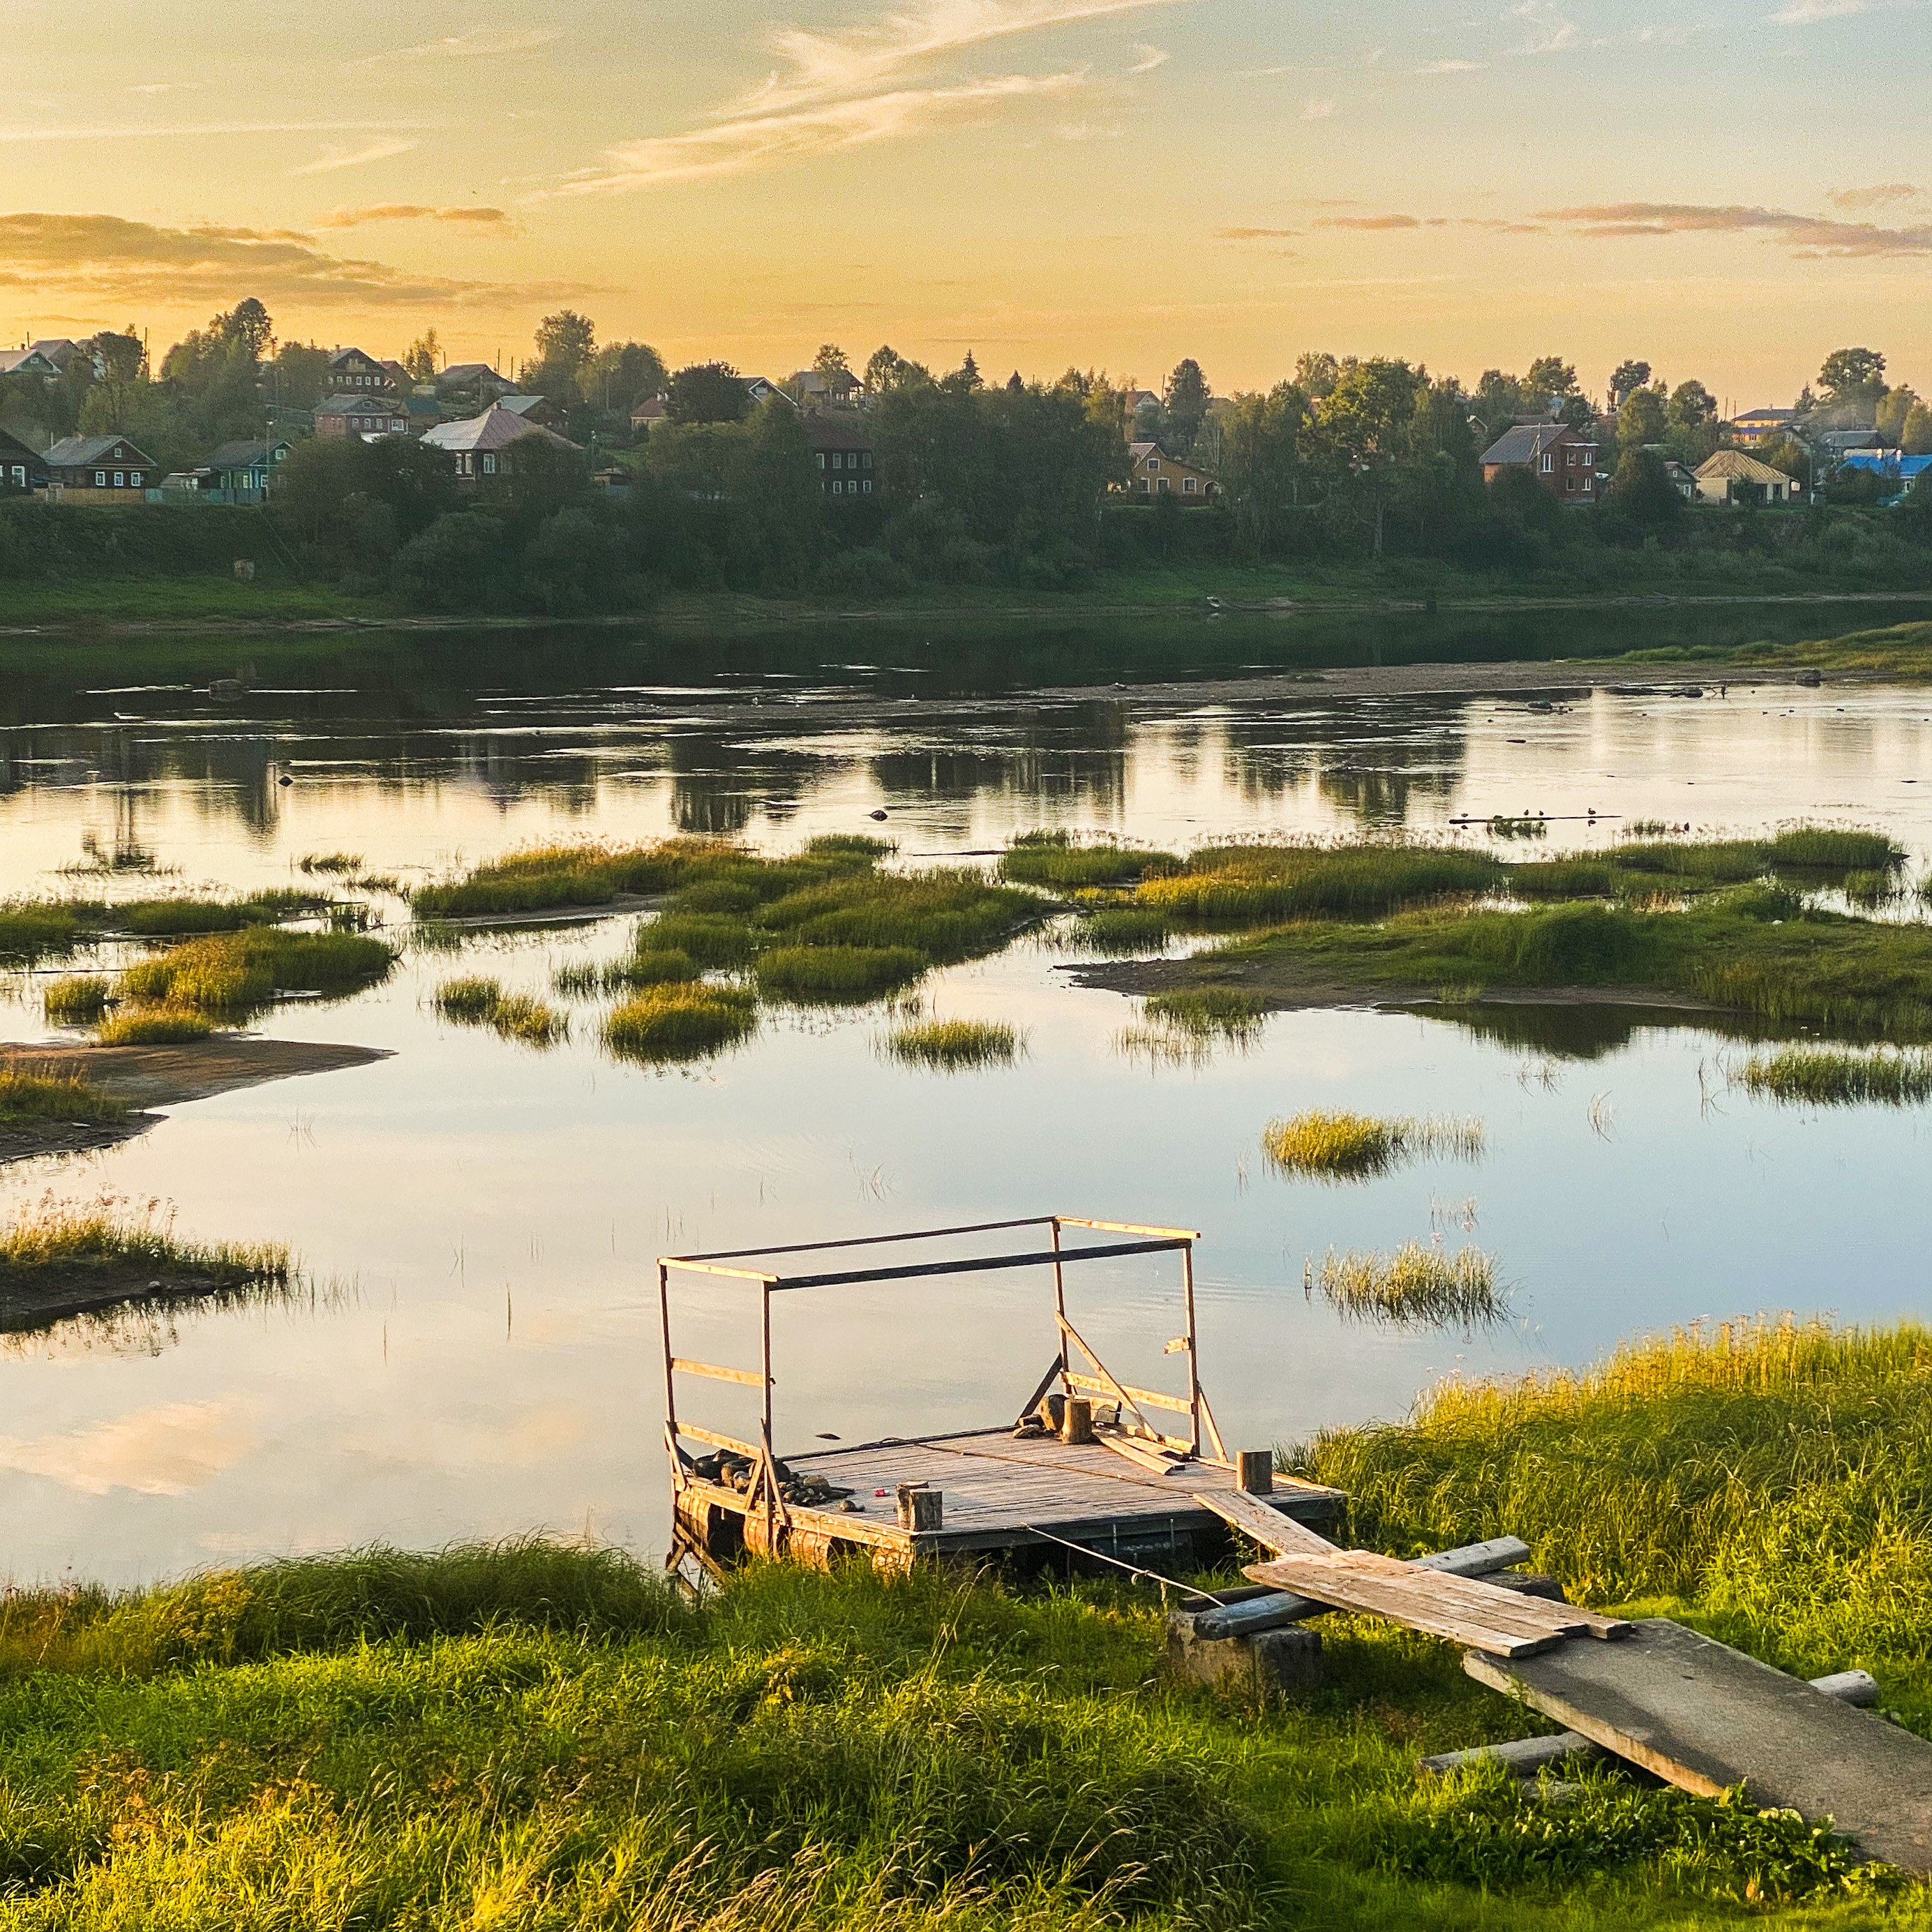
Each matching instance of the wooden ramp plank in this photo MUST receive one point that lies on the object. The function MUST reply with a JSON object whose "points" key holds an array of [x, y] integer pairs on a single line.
{"points": [[1706, 1717], [1269, 1528]]}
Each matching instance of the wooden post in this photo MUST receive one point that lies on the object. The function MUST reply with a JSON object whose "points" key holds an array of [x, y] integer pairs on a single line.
{"points": [[920, 1507], [1078, 1427], [1254, 1472], [1059, 1303], [765, 1420], [1193, 1357], [670, 1378]]}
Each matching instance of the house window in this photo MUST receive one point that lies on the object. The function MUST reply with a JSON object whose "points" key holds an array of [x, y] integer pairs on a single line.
{"points": [[824, 460], [1163, 483], [1549, 464], [120, 479], [837, 486], [1586, 486], [489, 465], [101, 479], [866, 458], [1153, 463], [134, 479], [1589, 459], [1569, 482], [1187, 486], [1569, 459], [868, 486]]}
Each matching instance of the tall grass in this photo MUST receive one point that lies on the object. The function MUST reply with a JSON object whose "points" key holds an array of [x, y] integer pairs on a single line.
{"points": [[164, 919], [1053, 858], [331, 863], [1832, 1077], [945, 916], [482, 1002], [1122, 929], [49, 1233], [229, 973], [668, 1023], [153, 1025], [833, 974], [955, 1046], [713, 940], [75, 999], [31, 931], [1416, 1284], [1777, 1471], [1247, 885], [1836, 848], [1210, 1012], [1354, 1147], [26, 1094]]}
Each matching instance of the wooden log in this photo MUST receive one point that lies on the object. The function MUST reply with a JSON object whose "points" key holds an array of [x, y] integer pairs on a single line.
{"points": [[920, 1507], [1254, 1471], [1078, 1427]]}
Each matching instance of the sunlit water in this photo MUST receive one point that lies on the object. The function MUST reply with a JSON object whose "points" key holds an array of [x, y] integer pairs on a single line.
{"points": [[481, 1355]]}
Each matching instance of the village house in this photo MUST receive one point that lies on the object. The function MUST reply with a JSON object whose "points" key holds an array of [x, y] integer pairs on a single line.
{"points": [[350, 369], [1732, 477], [484, 446], [538, 410], [1152, 473], [1756, 427], [99, 470], [843, 453], [20, 468], [243, 470], [31, 361], [839, 389], [476, 379], [647, 413], [365, 416], [1563, 459]]}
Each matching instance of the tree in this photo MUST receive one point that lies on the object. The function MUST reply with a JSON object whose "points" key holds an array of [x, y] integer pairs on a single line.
{"points": [[1895, 408], [1625, 378], [298, 376], [623, 374], [424, 359], [1186, 402], [565, 340], [1577, 412], [1851, 375], [830, 360], [966, 375], [1498, 400], [1365, 422], [882, 368], [1641, 491], [1550, 375], [1916, 439], [1691, 406], [124, 359], [1316, 373], [250, 325], [706, 392], [459, 561], [1643, 419], [1518, 494], [1260, 463]]}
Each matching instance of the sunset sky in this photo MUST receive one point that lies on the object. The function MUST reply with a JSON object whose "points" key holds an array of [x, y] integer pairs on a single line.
{"points": [[1726, 188]]}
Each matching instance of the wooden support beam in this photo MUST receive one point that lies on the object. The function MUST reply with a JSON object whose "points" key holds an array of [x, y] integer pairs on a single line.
{"points": [[750, 1378], [1267, 1527]]}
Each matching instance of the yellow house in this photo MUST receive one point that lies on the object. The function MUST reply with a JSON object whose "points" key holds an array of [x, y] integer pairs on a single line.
{"points": [[1153, 473]]}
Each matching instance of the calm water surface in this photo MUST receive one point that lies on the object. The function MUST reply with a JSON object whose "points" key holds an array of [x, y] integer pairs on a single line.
{"points": [[480, 1355]]}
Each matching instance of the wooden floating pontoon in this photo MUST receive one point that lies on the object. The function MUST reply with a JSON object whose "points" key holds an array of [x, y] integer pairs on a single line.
{"points": [[1136, 1491]]}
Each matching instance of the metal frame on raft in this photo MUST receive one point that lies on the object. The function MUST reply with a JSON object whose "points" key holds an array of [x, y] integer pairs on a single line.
{"points": [[765, 1498]]}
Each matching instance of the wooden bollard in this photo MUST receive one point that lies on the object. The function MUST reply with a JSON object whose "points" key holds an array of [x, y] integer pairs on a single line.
{"points": [[1078, 1427], [920, 1507], [1254, 1472], [1053, 1411]]}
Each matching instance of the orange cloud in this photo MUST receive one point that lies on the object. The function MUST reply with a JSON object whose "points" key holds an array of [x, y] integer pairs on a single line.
{"points": [[1812, 233], [406, 211]]}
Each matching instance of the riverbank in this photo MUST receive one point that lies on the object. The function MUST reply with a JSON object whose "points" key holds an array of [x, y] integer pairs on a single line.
{"points": [[537, 1735]]}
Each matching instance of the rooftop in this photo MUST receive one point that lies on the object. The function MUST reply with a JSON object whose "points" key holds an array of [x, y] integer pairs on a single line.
{"points": [[493, 429], [1734, 463]]}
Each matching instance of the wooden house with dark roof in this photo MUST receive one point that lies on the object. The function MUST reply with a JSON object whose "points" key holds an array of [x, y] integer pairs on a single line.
{"points": [[21, 468]]}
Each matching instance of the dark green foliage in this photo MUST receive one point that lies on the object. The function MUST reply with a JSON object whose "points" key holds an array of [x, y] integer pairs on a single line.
{"points": [[26, 1095], [946, 915], [1239, 884], [1123, 929], [659, 965], [1835, 849], [1053, 860], [1573, 945], [669, 1022], [156, 919], [29, 932], [711, 940]]}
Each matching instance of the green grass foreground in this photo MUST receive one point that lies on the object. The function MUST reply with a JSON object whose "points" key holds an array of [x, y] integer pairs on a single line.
{"points": [[535, 1736]]}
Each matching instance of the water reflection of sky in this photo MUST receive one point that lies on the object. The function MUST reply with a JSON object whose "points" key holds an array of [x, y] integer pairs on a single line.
{"points": [[492, 1213]]}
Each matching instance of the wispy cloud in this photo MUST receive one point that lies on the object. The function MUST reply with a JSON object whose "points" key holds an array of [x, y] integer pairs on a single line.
{"points": [[1809, 233], [1317, 110], [1368, 221], [335, 158], [1255, 234], [1854, 200], [1809, 13], [164, 87], [1147, 58], [407, 210], [1550, 31], [103, 259], [1452, 67], [824, 66], [765, 140], [125, 130], [470, 46]]}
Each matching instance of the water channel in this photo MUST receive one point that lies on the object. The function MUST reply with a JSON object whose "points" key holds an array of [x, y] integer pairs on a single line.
{"points": [[478, 1353]]}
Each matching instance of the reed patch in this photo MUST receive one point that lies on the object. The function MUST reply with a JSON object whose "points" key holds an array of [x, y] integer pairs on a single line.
{"points": [[1417, 1284], [956, 1046], [75, 999], [667, 1023], [1824, 1076], [1340, 1146], [26, 1094]]}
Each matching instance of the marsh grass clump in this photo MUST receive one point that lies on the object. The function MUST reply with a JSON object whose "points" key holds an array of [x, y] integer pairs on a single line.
{"points": [[228, 973], [161, 1024], [1053, 859], [658, 966], [860, 847], [1872, 889], [673, 1022], [1236, 885], [955, 1046], [519, 1016], [946, 916], [51, 1233], [469, 1001], [1344, 1146], [1122, 929], [76, 999], [835, 974], [30, 930], [715, 941], [166, 918], [1825, 1076], [1415, 1285], [1832, 848], [581, 979], [29, 1095], [1210, 1012], [540, 877], [331, 864]]}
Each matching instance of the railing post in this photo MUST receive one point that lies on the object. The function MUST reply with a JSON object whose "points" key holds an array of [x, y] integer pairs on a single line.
{"points": [[1193, 1368], [765, 1419], [669, 1380], [1059, 1304]]}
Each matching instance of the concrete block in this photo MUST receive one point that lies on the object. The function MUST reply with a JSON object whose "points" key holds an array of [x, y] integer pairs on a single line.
{"points": [[1263, 1666]]}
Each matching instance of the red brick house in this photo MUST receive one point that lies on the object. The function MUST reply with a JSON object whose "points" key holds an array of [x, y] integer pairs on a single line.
{"points": [[1563, 459], [844, 454]]}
